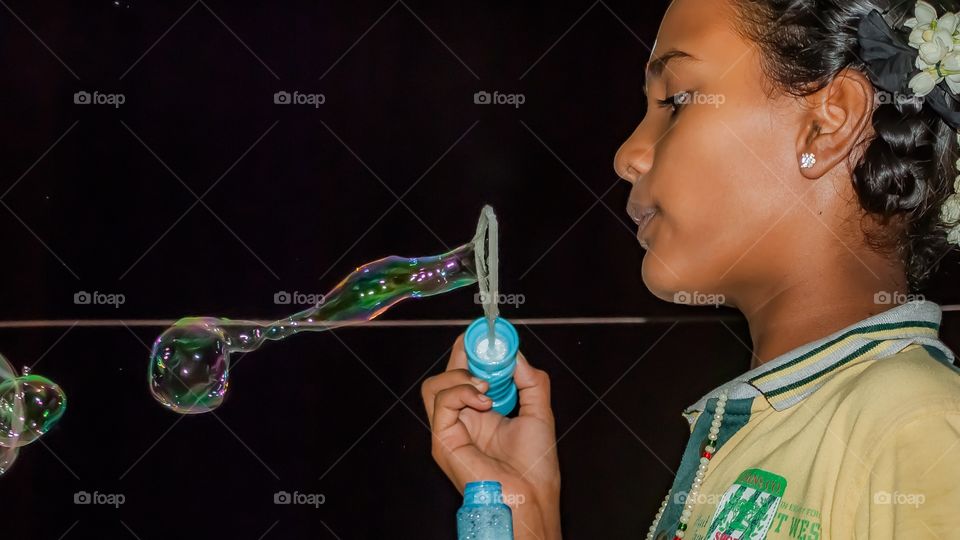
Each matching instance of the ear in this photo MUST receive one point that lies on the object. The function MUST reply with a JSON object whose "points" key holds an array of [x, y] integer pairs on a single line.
{"points": [[835, 120]]}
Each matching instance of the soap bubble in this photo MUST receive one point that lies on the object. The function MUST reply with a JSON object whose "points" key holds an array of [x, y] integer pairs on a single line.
{"points": [[29, 406], [188, 365], [190, 361]]}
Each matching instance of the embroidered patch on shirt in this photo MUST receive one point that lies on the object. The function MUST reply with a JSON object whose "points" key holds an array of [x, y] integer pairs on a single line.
{"points": [[747, 508]]}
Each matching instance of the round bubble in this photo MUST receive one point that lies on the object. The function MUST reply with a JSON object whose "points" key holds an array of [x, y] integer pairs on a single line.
{"points": [[189, 366], [13, 416], [29, 406]]}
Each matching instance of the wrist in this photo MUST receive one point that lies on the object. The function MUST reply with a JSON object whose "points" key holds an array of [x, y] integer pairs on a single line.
{"points": [[538, 517], [550, 516]]}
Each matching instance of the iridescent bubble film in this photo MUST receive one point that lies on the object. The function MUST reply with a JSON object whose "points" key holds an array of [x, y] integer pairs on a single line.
{"points": [[190, 361], [29, 406]]}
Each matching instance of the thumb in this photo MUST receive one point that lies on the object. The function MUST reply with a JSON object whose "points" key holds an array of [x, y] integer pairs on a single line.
{"points": [[534, 390]]}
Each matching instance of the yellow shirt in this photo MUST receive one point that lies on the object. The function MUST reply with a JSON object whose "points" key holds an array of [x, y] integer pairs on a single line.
{"points": [[856, 435]]}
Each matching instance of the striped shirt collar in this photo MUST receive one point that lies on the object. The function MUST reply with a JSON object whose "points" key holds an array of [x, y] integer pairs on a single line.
{"points": [[789, 378]]}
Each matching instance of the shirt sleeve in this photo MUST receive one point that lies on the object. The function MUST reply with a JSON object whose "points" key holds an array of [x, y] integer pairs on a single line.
{"points": [[913, 486]]}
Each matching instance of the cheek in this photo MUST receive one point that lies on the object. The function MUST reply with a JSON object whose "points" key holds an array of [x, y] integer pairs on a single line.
{"points": [[715, 194]]}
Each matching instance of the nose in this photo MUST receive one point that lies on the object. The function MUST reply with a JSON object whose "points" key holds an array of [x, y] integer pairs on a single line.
{"points": [[634, 158]]}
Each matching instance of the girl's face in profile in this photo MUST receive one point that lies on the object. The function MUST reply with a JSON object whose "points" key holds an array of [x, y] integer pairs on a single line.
{"points": [[717, 165]]}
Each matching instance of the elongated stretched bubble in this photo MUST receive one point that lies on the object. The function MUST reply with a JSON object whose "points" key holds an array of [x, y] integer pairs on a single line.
{"points": [[29, 406], [190, 361]]}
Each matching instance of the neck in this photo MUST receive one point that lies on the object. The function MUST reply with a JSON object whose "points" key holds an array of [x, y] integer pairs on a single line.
{"points": [[810, 309]]}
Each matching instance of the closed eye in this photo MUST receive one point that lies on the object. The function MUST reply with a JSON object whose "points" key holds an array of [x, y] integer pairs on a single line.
{"points": [[675, 102]]}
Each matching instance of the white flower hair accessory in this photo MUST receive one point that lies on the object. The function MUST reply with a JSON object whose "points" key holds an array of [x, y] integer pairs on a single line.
{"points": [[950, 211], [935, 40], [932, 47]]}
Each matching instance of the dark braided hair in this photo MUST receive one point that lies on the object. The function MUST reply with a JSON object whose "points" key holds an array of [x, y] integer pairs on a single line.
{"points": [[905, 172]]}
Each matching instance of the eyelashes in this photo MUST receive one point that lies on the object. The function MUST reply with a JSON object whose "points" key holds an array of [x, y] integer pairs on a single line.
{"points": [[675, 102]]}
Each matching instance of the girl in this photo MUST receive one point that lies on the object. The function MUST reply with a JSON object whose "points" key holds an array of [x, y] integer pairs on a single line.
{"points": [[797, 162]]}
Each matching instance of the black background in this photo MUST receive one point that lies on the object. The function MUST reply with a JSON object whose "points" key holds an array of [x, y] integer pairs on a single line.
{"points": [[96, 198]]}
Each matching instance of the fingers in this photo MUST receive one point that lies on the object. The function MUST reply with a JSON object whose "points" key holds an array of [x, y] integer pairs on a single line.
{"points": [[432, 386], [451, 401], [534, 390], [533, 384], [452, 445]]}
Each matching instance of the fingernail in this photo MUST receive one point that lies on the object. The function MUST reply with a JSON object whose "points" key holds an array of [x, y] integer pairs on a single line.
{"points": [[483, 398], [477, 381]]}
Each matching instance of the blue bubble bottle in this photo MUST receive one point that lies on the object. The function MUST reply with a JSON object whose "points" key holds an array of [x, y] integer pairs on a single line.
{"points": [[484, 516], [496, 366]]}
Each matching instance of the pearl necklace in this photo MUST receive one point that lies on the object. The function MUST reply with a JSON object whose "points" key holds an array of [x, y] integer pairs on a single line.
{"points": [[698, 479]]}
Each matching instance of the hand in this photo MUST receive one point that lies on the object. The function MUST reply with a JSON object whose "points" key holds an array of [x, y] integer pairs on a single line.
{"points": [[471, 442]]}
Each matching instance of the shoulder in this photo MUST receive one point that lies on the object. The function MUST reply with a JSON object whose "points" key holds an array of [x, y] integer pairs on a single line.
{"points": [[891, 392], [904, 415], [915, 375]]}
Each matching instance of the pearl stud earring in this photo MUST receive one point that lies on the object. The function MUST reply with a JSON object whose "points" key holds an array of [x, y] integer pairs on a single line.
{"points": [[807, 160]]}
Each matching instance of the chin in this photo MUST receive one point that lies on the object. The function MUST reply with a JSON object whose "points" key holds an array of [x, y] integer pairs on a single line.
{"points": [[678, 279], [659, 279]]}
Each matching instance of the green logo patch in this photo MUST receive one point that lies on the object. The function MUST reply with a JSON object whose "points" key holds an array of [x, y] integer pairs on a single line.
{"points": [[747, 508]]}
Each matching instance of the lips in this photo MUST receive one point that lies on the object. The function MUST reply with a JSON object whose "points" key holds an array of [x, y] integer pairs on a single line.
{"points": [[644, 219], [642, 213]]}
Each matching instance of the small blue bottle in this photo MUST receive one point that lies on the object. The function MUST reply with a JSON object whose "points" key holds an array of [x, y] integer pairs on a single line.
{"points": [[498, 373], [484, 516]]}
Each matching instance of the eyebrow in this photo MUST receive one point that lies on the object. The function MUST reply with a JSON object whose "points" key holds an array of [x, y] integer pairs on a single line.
{"points": [[657, 66]]}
